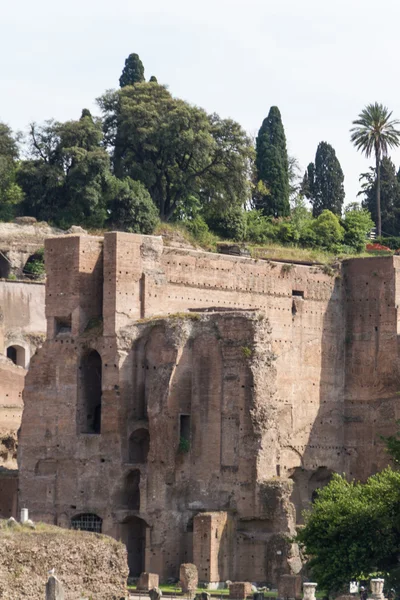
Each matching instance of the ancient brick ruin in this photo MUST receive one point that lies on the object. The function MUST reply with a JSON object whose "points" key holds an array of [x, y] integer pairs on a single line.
{"points": [[191, 403]]}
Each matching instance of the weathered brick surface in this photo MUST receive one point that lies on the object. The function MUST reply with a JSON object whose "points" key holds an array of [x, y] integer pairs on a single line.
{"points": [[270, 388]]}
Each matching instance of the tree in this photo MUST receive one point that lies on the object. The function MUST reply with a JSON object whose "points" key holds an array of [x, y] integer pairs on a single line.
{"points": [[272, 166], [176, 150], [131, 207], [353, 530], [10, 192], [323, 181], [153, 79], [389, 196], [357, 224], [374, 132], [133, 71], [66, 177]]}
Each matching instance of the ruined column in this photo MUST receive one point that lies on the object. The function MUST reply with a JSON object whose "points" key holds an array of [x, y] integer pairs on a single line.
{"points": [[309, 591], [54, 589], [377, 589]]}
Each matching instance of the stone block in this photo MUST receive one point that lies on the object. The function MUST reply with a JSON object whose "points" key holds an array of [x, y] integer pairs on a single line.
{"points": [[54, 589], [155, 593], [188, 578], [147, 581], [239, 590], [290, 587]]}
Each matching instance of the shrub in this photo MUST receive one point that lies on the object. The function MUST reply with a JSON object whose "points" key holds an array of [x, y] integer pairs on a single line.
{"points": [[259, 229], [34, 266], [328, 231], [230, 223], [357, 223], [131, 207]]}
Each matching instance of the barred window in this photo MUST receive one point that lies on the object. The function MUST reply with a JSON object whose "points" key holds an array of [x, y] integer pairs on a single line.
{"points": [[87, 522]]}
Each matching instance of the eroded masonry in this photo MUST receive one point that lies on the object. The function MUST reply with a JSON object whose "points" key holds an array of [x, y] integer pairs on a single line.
{"points": [[190, 403]]}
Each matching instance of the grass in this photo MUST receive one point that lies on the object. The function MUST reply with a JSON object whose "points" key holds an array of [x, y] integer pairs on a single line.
{"points": [[175, 590]]}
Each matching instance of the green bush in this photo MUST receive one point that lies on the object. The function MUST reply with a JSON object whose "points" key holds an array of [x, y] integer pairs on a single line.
{"points": [[259, 229], [328, 231], [357, 223], [131, 207], [34, 266], [391, 242], [230, 223]]}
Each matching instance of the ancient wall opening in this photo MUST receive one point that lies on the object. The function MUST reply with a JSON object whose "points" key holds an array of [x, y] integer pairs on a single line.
{"points": [[89, 393], [133, 534], [87, 522], [17, 354], [5, 267], [139, 443], [131, 492]]}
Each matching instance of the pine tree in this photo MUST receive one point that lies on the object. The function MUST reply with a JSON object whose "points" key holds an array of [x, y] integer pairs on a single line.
{"points": [[133, 71], [323, 181], [272, 166]]}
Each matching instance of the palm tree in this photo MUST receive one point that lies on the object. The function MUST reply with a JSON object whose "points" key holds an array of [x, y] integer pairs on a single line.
{"points": [[374, 132]]}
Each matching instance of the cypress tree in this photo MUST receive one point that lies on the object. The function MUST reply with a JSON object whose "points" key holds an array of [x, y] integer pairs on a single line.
{"points": [[272, 166], [323, 181], [153, 79], [133, 71]]}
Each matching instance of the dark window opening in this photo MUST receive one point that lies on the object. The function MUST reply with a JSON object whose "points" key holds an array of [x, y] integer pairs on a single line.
{"points": [[132, 490], [184, 430], [62, 325], [139, 443], [87, 522], [5, 266], [17, 355], [89, 414], [298, 293]]}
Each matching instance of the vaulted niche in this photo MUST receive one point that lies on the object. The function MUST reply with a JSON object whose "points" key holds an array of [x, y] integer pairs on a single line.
{"points": [[89, 393], [139, 442]]}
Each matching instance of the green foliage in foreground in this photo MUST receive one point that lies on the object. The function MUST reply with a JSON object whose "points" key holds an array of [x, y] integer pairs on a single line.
{"points": [[353, 530]]}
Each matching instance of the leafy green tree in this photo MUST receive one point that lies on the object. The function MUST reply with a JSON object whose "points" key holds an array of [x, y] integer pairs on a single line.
{"points": [[389, 196], [229, 223], [328, 231], [153, 79], [66, 178], [176, 150], [131, 207], [357, 224], [133, 71], [10, 193], [323, 181], [374, 132], [273, 166], [353, 530]]}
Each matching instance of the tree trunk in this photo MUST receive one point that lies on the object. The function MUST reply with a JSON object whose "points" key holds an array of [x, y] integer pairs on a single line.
{"points": [[378, 193]]}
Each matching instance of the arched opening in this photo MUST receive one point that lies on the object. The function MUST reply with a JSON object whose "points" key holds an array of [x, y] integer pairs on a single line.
{"points": [[17, 355], [319, 479], [89, 393], [34, 267], [5, 266], [87, 522], [131, 491], [133, 534], [139, 443]]}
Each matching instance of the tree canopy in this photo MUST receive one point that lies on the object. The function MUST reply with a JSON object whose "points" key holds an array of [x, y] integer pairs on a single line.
{"points": [[10, 192], [323, 181], [374, 132], [133, 71], [389, 196], [176, 150], [273, 166], [353, 530]]}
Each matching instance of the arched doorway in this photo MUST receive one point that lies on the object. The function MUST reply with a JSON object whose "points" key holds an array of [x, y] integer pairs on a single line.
{"points": [[17, 355], [89, 393], [139, 442], [133, 535], [5, 266]]}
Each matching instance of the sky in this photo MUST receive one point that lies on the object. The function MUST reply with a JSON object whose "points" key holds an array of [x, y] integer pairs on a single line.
{"points": [[319, 61]]}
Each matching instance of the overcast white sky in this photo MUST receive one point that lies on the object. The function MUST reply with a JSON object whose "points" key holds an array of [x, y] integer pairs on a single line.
{"points": [[319, 61]]}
